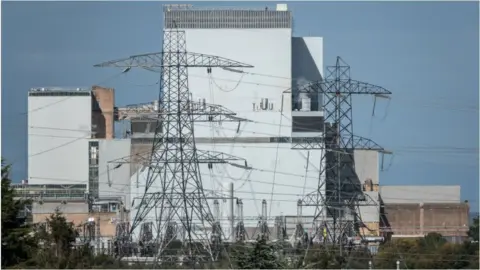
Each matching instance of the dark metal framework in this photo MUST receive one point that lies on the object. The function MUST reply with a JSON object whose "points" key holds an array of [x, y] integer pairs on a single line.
{"points": [[174, 162], [339, 193]]}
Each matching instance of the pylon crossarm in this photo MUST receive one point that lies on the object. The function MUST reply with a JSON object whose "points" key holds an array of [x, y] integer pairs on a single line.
{"points": [[201, 112], [343, 86], [155, 62], [219, 157], [308, 143], [318, 143], [362, 143], [202, 156], [139, 158]]}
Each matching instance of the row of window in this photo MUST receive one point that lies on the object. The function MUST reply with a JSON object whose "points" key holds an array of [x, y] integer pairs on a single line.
{"points": [[240, 140], [93, 173]]}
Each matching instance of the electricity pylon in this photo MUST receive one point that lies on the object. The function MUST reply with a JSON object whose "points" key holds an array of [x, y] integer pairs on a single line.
{"points": [[339, 193], [173, 167]]}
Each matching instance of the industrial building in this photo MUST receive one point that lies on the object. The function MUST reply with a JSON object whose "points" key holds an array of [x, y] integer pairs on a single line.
{"points": [[272, 114], [414, 211], [70, 141], [261, 96], [270, 111], [73, 152]]}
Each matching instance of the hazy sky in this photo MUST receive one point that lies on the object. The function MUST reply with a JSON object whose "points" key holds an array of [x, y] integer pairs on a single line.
{"points": [[425, 53]]}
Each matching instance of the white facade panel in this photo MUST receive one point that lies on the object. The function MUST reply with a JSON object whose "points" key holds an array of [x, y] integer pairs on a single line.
{"points": [[70, 207], [278, 174], [370, 209], [307, 63], [114, 182], [281, 179], [59, 128], [269, 51], [420, 194]]}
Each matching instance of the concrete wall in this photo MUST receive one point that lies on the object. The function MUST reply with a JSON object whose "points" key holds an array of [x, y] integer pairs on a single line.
{"points": [[367, 165], [448, 219], [107, 221], [275, 57], [139, 148], [370, 211], [48, 208], [114, 182], [269, 51], [307, 63], [291, 181], [59, 128], [420, 194]]}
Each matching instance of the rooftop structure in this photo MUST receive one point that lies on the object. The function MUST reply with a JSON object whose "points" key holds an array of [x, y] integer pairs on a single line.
{"points": [[61, 121], [420, 194], [411, 211]]}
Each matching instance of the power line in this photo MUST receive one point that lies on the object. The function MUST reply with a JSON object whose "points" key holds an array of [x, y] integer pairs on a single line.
{"points": [[404, 148], [73, 181]]}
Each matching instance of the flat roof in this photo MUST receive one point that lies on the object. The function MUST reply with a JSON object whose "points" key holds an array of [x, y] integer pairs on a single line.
{"points": [[420, 194]]}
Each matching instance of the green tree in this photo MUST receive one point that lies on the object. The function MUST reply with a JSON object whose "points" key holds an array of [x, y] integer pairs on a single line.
{"points": [[18, 244], [404, 250], [261, 255], [321, 257], [429, 252], [474, 229], [59, 250], [56, 238]]}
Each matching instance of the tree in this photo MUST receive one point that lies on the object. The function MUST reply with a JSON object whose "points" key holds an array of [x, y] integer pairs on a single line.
{"points": [[18, 245], [319, 257], [261, 255], [57, 248], [474, 229], [56, 238], [429, 252]]}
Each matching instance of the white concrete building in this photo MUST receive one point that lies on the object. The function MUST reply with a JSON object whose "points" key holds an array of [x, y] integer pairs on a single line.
{"points": [[262, 94], [70, 141], [59, 129]]}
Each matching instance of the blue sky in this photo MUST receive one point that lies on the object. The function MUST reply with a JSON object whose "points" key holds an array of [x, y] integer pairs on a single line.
{"points": [[426, 53]]}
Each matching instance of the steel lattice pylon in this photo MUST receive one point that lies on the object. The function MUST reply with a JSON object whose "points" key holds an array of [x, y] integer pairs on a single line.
{"points": [[337, 208], [174, 162]]}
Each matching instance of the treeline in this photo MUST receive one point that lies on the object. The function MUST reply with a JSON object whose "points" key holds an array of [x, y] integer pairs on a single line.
{"points": [[54, 247]]}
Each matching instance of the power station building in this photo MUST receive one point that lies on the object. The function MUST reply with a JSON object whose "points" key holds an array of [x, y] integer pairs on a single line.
{"points": [[262, 96], [71, 140], [273, 115]]}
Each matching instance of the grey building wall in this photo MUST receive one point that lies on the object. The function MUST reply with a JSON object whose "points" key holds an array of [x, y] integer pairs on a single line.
{"points": [[114, 182], [307, 65], [367, 166], [370, 209], [69, 207], [59, 127], [448, 219], [420, 194], [269, 51]]}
